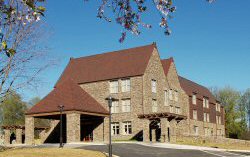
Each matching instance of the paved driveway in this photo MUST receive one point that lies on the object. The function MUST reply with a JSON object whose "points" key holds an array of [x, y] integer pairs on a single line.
{"points": [[136, 150]]}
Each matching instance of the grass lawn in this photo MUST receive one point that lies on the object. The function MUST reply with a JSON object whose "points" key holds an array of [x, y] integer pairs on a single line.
{"points": [[50, 152]]}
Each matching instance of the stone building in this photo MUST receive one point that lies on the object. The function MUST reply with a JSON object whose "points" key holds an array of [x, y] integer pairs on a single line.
{"points": [[151, 102]]}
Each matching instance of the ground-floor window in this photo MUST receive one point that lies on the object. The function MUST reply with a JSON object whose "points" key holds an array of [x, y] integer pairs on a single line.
{"points": [[196, 130], [208, 132], [115, 128], [127, 128]]}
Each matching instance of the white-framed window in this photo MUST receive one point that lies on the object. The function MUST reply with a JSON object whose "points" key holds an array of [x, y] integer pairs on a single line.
{"points": [[125, 85], [219, 132], [196, 130], [166, 103], [218, 120], [170, 94], [126, 107], [171, 109], [127, 128], [115, 128], [115, 107], [154, 105], [207, 131], [113, 86], [206, 117], [218, 107], [205, 103], [176, 96], [177, 110], [154, 86], [194, 99], [195, 115]]}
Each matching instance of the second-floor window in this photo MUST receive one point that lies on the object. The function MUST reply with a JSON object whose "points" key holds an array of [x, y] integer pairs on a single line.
{"points": [[154, 105], [206, 117], [154, 86], [218, 120], [115, 107], [127, 128], [171, 109], [113, 86], [166, 103], [125, 85], [205, 103], [126, 107], [177, 110], [195, 115], [115, 128], [194, 99]]}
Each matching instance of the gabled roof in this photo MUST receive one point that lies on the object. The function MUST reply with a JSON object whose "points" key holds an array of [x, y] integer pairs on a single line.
{"points": [[72, 96], [111, 65], [191, 87], [166, 63]]}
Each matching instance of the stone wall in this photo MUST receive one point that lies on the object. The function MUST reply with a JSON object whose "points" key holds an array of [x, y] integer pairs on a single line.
{"points": [[73, 127], [214, 139], [29, 130], [100, 91]]}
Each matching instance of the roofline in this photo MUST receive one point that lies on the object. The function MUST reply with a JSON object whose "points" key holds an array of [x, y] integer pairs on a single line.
{"points": [[65, 112], [116, 51]]}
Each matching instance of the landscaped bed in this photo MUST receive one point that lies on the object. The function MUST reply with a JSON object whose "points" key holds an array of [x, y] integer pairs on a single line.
{"points": [[50, 152]]}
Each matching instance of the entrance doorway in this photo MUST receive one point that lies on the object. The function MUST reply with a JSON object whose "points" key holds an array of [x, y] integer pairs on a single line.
{"points": [[87, 132], [155, 129]]}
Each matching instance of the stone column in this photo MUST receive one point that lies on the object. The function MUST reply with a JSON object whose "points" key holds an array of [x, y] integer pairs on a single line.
{"points": [[19, 133], [164, 130], [29, 130], [153, 133], [73, 127], [98, 132], [6, 136], [106, 129], [173, 125], [145, 125]]}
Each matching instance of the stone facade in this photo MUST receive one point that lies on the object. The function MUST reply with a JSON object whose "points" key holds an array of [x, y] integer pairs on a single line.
{"points": [[29, 130], [73, 127], [141, 97], [168, 99]]}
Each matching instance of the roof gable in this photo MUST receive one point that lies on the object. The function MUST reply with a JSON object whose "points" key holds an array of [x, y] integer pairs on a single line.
{"points": [[166, 63], [72, 96], [111, 65]]}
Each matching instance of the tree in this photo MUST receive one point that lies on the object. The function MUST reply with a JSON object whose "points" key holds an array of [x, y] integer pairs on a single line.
{"points": [[235, 110], [38, 121], [128, 14], [245, 106], [20, 49], [12, 110]]}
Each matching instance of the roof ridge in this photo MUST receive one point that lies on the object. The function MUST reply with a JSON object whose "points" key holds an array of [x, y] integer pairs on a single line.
{"points": [[116, 51], [194, 82]]}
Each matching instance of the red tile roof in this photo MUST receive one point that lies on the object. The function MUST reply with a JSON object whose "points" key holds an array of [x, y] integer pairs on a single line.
{"points": [[111, 65], [72, 96], [191, 87], [166, 63]]}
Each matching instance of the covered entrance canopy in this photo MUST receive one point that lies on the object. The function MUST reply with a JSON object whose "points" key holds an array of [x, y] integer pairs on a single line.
{"points": [[161, 127], [82, 114], [167, 115]]}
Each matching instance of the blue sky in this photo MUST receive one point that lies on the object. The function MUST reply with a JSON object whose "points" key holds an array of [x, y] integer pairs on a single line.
{"points": [[210, 43]]}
